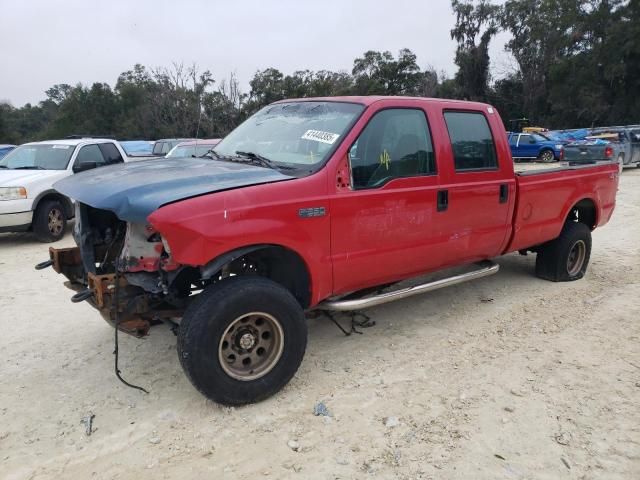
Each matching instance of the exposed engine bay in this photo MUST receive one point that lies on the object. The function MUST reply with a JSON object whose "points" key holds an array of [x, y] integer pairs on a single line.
{"points": [[125, 271]]}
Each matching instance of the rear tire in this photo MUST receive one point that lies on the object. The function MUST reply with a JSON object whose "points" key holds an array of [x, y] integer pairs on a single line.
{"points": [[546, 156], [242, 340], [49, 221], [566, 258]]}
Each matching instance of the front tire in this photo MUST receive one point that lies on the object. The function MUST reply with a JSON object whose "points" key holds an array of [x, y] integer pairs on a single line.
{"points": [[49, 221], [242, 340], [566, 258]]}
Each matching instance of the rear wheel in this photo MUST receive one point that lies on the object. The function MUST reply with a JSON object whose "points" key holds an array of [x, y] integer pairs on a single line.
{"points": [[546, 156], [242, 340], [49, 221], [566, 258]]}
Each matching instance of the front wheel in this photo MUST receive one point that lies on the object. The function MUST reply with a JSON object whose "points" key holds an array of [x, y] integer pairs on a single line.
{"points": [[49, 221], [242, 340], [566, 258], [546, 156]]}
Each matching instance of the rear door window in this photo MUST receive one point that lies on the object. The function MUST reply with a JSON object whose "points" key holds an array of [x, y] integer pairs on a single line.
{"points": [[157, 148], [471, 141]]}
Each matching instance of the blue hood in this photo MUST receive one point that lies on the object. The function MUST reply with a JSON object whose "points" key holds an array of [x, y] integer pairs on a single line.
{"points": [[134, 190]]}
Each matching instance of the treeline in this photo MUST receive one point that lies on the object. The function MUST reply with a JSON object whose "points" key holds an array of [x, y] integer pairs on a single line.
{"points": [[575, 63]]}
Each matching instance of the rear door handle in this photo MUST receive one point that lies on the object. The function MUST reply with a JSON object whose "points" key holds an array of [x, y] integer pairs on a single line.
{"points": [[504, 193], [443, 200]]}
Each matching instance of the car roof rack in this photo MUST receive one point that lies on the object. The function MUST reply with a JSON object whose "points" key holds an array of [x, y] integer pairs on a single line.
{"points": [[80, 137]]}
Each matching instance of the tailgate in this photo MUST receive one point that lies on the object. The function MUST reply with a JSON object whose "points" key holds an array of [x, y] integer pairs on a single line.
{"points": [[584, 153], [544, 200]]}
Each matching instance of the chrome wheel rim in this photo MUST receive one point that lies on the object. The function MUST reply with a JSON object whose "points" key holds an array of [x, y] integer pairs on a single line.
{"points": [[55, 221], [547, 157], [576, 258], [251, 346]]}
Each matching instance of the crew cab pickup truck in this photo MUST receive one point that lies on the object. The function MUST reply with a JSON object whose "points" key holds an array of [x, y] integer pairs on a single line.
{"points": [[315, 204], [27, 174], [535, 146]]}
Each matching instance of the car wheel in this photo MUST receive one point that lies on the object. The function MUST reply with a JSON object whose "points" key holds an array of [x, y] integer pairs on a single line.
{"points": [[49, 221], [242, 340], [546, 156], [566, 258]]}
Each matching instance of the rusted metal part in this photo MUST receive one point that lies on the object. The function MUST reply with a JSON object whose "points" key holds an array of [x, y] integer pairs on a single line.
{"points": [[64, 257]]}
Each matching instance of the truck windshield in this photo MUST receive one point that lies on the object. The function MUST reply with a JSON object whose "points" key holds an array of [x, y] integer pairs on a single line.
{"points": [[299, 134], [38, 157]]}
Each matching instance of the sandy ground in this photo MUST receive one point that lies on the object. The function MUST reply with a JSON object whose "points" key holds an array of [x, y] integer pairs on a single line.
{"points": [[507, 377]]}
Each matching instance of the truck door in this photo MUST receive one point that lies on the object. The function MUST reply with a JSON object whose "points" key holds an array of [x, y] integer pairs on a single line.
{"points": [[480, 190], [383, 227]]}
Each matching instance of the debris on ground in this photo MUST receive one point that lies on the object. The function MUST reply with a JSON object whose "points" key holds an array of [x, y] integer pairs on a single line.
{"points": [[391, 422], [293, 445], [563, 438], [87, 421], [321, 410]]}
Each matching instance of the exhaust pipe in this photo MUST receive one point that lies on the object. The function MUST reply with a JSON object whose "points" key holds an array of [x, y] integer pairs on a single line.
{"points": [[484, 269]]}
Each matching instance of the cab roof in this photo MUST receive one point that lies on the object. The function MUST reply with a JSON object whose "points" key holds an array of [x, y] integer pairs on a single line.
{"points": [[371, 99]]}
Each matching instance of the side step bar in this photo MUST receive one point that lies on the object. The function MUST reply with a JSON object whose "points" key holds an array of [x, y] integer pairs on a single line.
{"points": [[484, 269]]}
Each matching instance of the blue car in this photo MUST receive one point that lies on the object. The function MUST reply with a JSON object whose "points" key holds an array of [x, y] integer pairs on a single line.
{"points": [[536, 146], [5, 148]]}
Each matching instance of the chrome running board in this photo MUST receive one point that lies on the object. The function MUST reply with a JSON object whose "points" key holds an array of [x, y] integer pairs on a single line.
{"points": [[485, 268]]}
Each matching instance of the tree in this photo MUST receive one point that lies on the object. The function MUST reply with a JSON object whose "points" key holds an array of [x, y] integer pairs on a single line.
{"points": [[379, 73], [472, 55]]}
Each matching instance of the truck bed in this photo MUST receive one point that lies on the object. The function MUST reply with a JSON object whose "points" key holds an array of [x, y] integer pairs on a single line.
{"points": [[546, 194]]}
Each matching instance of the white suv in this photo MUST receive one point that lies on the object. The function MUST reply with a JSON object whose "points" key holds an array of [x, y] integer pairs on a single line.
{"points": [[27, 198]]}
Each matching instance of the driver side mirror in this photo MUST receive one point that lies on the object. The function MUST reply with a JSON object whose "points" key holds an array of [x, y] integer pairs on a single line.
{"points": [[82, 166]]}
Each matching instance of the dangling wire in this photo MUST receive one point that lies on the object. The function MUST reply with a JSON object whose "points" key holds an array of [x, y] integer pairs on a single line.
{"points": [[117, 322]]}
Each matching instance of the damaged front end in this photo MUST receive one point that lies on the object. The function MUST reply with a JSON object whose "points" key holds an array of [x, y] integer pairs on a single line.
{"points": [[124, 270]]}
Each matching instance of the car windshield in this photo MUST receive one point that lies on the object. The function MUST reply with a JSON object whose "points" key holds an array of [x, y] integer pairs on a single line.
{"points": [[189, 150], [300, 134], [38, 157]]}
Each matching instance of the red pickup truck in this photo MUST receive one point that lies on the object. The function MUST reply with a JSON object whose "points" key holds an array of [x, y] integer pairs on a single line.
{"points": [[315, 204]]}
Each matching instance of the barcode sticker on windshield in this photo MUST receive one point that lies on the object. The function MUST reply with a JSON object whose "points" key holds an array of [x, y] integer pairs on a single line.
{"points": [[320, 136], [63, 147]]}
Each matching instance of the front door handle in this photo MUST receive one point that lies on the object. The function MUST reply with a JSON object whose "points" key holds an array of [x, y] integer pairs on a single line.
{"points": [[443, 200], [504, 193]]}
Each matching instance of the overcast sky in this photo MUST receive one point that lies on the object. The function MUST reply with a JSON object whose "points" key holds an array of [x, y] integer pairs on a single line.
{"points": [[44, 42]]}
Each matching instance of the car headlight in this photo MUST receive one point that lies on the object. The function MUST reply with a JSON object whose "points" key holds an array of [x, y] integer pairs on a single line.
{"points": [[558, 147], [12, 193]]}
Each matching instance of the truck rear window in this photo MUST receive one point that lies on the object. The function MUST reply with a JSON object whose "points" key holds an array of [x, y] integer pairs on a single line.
{"points": [[471, 141]]}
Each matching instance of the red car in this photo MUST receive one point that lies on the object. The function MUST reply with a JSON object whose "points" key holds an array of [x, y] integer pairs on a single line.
{"points": [[316, 204]]}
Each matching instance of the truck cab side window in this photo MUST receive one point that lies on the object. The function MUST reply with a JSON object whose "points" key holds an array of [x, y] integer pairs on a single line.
{"points": [[90, 153], [472, 142], [395, 143], [110, 153]]}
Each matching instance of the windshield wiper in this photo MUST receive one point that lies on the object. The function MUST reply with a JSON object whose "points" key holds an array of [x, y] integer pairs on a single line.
{"points": [[262, 161], [29, 167], [210, 154]]}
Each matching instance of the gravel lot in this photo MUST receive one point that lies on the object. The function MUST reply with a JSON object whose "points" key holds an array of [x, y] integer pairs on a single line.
{"points": [[507, 377]]}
